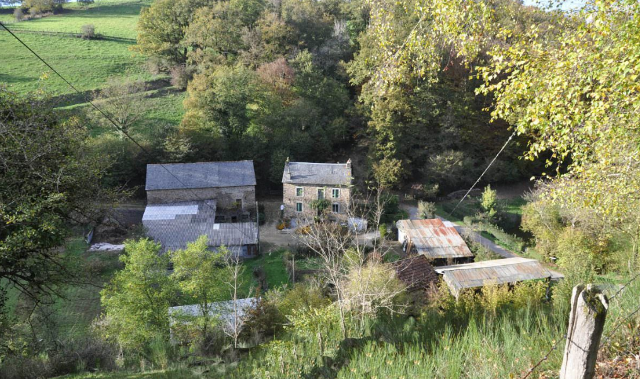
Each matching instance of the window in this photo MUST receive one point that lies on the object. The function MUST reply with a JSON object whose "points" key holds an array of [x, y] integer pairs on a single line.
{"points": [[299, 191], [238, 203], [335, 193], [320, 193], [335, 208], [298, 207]]}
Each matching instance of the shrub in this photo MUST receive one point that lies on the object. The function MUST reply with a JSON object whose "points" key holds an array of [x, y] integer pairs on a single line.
{"points": [[88, 31], [262, 218], [426, 210], [280, 226], [180, 76], [383, 231], [18, 14]]}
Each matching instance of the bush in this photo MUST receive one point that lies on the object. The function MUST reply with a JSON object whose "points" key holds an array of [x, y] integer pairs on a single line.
{"points": [[426, 210], [88, 31], [383, 231], [18, 14], [262, 218], [180, 76]]}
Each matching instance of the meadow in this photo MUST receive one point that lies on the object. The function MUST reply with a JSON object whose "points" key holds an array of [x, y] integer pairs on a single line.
{"points": [[85, 63]]}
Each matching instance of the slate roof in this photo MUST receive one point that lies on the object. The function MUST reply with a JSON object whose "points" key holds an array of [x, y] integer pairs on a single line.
{"points": [[499, 271], [317, 173], [200, 175], [433, 239], [173, 225], [416, 273]]}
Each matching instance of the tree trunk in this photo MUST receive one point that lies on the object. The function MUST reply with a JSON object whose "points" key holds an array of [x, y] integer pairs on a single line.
{"points": [[586, 322]]}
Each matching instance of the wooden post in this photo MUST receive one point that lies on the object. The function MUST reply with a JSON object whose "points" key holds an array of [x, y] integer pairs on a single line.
{"points": [[586, 322]]}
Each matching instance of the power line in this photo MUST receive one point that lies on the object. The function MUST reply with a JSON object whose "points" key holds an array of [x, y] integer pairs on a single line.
{"points": [[484, 172], [119, 128]]}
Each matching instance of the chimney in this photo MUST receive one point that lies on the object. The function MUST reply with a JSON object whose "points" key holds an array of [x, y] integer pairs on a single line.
{"points": [[348, 166]]}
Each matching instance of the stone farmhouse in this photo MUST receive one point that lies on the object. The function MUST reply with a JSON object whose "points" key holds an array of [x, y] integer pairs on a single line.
{"points": [[216, 199], [304, 183]]}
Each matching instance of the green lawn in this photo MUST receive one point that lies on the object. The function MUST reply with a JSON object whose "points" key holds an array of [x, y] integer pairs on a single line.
{"points": [[113, 18], [274, 269], [86, 63]]}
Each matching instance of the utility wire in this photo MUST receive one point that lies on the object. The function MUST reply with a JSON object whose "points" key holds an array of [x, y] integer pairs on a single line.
{"points": [[119, 128], [484, 172]]}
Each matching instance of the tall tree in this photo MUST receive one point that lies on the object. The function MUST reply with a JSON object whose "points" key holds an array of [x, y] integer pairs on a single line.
{"points": [[49, 181], [136, 301]]}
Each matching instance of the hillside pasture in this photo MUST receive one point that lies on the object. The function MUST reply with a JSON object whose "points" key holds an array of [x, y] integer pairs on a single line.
{"points": [[85, 63]]}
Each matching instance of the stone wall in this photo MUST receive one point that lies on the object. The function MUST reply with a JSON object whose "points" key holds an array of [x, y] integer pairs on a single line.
{"points": [[290, 199], [225, 196]]}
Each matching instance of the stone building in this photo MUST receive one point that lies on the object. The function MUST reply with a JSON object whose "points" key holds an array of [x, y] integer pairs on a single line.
{"points": [[304, 183], [231, 184], [216, 199]]}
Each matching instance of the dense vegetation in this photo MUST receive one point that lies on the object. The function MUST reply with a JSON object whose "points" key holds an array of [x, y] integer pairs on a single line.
{"points": [[421, 94]]}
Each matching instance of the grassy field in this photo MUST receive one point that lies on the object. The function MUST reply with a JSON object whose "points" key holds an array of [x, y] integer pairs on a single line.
{"points": [[86, 63]]}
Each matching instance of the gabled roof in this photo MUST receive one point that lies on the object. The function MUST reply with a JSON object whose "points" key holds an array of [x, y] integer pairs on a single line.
{"points": [[433, 239], [416, 273], [174, 225], [499, 271], [200, 175], [317, 173]]}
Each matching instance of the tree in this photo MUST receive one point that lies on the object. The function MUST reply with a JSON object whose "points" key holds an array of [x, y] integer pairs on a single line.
{"points": [[426, 210], [40, 6], [50, 181], [136, 301], [580, 106], [123, 100], [229, 102], [489, 202], [235, 283], [200, 274], [161, 29]]}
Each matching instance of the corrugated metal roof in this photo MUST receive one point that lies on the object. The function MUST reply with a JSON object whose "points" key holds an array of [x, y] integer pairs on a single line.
{"points": [[317, 173], [174, 225], [433, 239], [499, 271], [200, 175]]}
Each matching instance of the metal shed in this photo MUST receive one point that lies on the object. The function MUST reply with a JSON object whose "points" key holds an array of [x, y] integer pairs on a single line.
{"points": [[433, 239], [500, 271]]}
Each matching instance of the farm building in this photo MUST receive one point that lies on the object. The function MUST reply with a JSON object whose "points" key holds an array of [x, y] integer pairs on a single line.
{"points": [[176, 224], [231, 184], [439, 243], [499, 271], [304, 183]]}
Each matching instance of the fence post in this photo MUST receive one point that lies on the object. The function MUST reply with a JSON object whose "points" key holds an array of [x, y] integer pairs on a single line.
{"points": [[586, 322]]}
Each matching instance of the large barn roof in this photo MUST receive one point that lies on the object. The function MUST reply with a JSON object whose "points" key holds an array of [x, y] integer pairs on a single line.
{"points": [[433, 239], [200, 175], [176, 224], [499, 271], [317, 173]]}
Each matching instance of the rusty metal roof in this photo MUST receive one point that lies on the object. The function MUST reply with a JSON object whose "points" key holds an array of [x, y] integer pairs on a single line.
{"points": [[433, 239], [499, 271]]}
